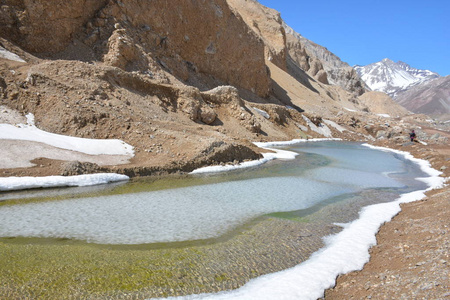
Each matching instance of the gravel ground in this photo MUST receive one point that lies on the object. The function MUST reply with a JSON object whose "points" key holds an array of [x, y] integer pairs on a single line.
{"points": [[411, 260]]}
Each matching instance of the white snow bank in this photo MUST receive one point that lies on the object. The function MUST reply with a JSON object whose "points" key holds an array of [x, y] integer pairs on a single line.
{"points": [[321, 129], [279, 154], [334, 125], [9, 55], [261, 112], [384, 115], [21, 183], [30, 132], [344, 252], [292, 142]]}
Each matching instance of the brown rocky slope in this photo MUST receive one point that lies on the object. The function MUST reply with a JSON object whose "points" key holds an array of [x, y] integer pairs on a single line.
{"points": [[160, 78]]}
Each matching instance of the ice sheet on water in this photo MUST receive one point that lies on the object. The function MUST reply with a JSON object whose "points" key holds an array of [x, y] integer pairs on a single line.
{"points": [[192, 213], [354, 157], [354, 178]]}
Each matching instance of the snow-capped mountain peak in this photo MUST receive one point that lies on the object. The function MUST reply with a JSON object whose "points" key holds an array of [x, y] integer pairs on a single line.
{"points": [[392, 77]]}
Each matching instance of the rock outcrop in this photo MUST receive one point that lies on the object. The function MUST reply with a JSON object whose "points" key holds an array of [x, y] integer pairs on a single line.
{"points": [[196, 42], [320, 63]]}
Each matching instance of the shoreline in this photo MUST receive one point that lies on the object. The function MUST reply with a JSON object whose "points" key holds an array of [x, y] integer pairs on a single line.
{"points": [[410, 258], [339, 284], [334, 254]]}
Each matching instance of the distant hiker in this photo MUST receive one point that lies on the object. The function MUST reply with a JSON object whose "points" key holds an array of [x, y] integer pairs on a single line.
{"points": [[412, 136]]}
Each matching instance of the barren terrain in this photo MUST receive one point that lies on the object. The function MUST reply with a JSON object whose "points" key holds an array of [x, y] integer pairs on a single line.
{"points": [[198, 85]]}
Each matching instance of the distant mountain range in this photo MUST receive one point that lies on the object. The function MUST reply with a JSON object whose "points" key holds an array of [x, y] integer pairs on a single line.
{"points": [[420, 91], [431, 98], [393, 77]]}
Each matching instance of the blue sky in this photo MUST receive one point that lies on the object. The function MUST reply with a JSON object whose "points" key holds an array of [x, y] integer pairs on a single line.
{"points": [[364, 32]]}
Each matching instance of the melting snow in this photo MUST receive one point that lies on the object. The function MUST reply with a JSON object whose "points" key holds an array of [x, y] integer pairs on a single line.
{"points": [[321, 129], [334, 125], [384, 115], [30, 132], [22, 183], [9, 55]]}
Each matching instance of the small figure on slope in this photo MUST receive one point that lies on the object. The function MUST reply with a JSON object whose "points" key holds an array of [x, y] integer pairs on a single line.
{"points": [[412, 136]]}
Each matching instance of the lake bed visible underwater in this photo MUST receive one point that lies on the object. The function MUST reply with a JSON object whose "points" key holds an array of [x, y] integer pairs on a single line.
{"points": [[197, 234]]}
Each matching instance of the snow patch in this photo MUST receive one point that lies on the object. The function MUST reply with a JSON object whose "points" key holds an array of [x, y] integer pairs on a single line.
{"points": [[334, 125], [9, 55], [29, 132], [261, 112], [322, 129], [22, 183]]}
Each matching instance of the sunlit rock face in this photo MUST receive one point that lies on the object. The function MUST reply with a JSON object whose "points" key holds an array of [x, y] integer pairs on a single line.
{"points": [[192, 40]]}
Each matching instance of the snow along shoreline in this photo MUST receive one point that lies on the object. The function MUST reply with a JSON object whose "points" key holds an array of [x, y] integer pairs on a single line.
{"points": [[23, 183], [343, 252], [278, 154]]}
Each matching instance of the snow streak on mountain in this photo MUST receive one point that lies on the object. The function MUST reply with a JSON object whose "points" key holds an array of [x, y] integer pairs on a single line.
{"points": [[392, 78]]}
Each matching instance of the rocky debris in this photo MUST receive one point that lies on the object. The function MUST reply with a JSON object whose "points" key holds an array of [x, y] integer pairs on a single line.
{"points": [[191, 102], [77, 168], [216, 153], [223, 94]]}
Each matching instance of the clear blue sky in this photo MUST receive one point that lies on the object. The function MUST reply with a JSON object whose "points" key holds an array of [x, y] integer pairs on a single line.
{"points": [[363, 32]]}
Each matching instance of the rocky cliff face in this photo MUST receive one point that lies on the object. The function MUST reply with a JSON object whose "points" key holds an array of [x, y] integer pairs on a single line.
{"points": [[194, 41], [267, 24], [289, 51], [45, 26], [322, 64]]}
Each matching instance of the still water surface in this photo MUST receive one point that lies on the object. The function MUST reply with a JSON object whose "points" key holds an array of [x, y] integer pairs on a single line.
{"points": [[209, 206]]}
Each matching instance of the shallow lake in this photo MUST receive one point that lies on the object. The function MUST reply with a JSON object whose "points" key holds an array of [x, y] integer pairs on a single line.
{"points": [[195, 234]]}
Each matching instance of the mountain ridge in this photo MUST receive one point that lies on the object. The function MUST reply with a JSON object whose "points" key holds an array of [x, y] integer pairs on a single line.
{"points": [[393, 77]]}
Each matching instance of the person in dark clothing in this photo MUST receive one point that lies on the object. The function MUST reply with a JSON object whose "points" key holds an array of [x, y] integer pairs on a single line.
{"points": [[412, 136]]}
